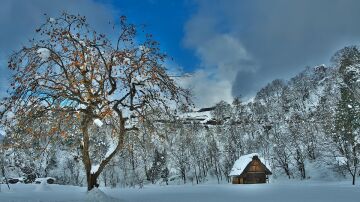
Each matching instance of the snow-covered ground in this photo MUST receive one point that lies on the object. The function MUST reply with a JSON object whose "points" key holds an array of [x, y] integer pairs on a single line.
{"points": [[276, 192]]}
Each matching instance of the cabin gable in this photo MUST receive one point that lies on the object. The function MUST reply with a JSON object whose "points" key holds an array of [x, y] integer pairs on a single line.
{"points": [[254, 172]]}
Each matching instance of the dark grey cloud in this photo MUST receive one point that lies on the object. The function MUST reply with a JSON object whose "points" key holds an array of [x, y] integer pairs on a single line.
{"points": [[244, 85], [279, 37], [20, 18]]}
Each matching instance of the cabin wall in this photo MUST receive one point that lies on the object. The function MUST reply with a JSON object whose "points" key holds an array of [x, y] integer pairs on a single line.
{"points": [[238, 180], [255, 178], [253, 174], [250, 178]]}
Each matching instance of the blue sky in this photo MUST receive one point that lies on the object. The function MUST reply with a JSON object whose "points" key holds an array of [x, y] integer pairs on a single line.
{"points": [[231, 47], [165, 20]]}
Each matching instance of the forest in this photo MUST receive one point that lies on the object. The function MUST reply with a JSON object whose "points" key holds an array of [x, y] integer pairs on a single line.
{"points": [[64, 126]]}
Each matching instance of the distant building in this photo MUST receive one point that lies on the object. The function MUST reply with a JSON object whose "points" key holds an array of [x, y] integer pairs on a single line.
{"points": [[201, 116], [249, 169]]}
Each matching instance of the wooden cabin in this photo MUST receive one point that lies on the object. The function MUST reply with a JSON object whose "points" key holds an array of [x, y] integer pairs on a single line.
{"points": [[249, 169]]}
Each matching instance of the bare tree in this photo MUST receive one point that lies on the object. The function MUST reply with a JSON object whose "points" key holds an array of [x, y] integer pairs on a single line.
{"points": [[71, 69]]}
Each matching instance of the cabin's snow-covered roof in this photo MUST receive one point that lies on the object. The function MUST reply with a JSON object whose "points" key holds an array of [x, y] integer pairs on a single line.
{"points": [[242, 162], [202, 117]]}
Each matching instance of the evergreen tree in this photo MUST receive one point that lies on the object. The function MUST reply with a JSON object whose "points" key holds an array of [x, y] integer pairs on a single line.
{"points": [[346, 131]]}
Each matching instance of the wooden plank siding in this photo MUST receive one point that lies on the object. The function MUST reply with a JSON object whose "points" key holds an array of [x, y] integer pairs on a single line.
{"points": [[255, 172]]}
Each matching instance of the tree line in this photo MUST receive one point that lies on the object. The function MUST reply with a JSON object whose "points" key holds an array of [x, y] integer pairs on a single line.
{"points": [[86, 110]]}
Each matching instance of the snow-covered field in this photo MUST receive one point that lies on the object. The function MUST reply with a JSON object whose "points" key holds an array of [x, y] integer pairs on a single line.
{"points": [[276, 192]]}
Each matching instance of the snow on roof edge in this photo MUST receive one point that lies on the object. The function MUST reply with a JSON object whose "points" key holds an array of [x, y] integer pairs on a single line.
{"points": [[240, 164]]}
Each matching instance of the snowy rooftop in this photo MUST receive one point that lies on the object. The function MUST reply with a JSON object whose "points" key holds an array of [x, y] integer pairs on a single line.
{"points": [[201, 116], [198, 115], [242, 162]]}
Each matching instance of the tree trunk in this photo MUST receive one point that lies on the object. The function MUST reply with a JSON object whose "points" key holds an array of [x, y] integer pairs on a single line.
{"points": [[354, 175], [92, 177], [85, 152], [183, 173], [196, 176], [92, 181], [105, 178]]}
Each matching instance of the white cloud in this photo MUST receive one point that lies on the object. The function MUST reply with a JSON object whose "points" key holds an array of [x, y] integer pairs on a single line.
{"points": [[207, 90], [226, 56], [258, 41], [222, 56]]}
